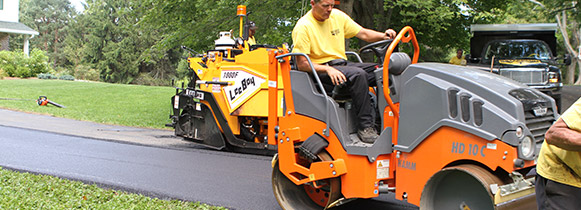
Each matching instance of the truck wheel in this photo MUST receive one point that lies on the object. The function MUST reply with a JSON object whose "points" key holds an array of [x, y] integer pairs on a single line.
{"points": [[307, 196], [458, 187]]}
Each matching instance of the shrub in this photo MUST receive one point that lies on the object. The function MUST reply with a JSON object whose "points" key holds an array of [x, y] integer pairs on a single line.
{"points": [[67, 77], [46, 76], [38, 62], [17, 64], [60, 70], [147, 79], [85, 72], [183, 69]]}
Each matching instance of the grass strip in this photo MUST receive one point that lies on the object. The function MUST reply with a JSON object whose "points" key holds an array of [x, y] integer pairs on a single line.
{"points": [[129, 105], [29, 191]]}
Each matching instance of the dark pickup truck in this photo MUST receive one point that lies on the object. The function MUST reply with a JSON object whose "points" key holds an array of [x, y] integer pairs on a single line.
{"points": [[522, 52]]}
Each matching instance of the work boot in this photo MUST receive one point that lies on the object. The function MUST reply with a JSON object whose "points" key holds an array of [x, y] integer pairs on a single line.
{"points": [[367, 135]]}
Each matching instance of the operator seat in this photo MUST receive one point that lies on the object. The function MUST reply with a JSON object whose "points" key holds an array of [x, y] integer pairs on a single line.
{"points": [[398, 62]]}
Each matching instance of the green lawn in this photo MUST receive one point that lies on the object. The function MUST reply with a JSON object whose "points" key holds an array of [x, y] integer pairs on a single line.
{"points": [[130, 105], [28, 191]]}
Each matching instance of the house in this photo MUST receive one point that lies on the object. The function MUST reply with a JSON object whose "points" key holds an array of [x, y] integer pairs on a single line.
{"points": [[9, 25]]}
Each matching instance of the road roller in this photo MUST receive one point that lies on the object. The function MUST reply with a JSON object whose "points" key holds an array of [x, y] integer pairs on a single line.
{"points": [[451, 137]]}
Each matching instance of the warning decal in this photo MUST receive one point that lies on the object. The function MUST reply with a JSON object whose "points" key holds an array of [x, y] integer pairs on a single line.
{"points": [[245, 85], [382, 169]]}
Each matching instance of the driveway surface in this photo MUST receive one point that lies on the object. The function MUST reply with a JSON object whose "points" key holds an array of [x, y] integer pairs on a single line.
{"points": [[150, 161], [236, 181], [146, 161]]}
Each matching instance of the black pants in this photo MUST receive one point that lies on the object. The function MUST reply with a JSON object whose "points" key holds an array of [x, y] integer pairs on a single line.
{"points": [[360, 77], [554, 195]]}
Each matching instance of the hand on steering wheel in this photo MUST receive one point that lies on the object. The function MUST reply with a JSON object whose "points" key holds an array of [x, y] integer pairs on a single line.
{"points": [[379, 48], [390, 33]]}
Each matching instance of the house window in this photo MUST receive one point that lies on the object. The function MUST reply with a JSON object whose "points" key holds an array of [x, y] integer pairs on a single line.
{"points": [[1, 4]]}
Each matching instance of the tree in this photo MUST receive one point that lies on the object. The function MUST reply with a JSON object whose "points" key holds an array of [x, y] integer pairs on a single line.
{"points": [[51, 19], [109, 38], [441, 26], [570, 26], [196, 24], [110, 44], [134, 41]]}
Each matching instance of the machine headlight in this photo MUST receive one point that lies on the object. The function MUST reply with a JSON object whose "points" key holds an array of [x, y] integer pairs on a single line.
{"points": [[553, 77], [527, 148], [519, 132]]}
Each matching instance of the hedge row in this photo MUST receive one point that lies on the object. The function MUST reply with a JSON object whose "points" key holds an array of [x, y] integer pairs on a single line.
{"points": [[17, 64]]}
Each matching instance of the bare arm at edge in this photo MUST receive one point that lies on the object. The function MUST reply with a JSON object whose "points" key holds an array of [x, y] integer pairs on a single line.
{"points": [[560, 135], [371, 36]]}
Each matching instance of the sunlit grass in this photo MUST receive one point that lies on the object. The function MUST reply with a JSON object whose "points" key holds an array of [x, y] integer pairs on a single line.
{"points": [[130, 105], [29, 191]]}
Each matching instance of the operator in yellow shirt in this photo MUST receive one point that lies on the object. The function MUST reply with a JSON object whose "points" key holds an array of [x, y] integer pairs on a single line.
{"points": [[251, 32], [321, 34], [458, 59], [558, 181]]}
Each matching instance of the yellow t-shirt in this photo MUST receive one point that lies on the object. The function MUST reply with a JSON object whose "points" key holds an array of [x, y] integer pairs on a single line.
{"points": [[324, 41], [457, 61], [251, 41], [561, 165]]}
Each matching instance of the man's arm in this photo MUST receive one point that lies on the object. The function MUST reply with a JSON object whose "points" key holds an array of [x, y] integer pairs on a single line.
{"points": [[560, 135], [371, 36], [336, 76]]}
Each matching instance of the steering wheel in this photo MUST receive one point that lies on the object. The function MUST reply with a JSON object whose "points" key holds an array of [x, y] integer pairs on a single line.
{"points": [[379, 48]]}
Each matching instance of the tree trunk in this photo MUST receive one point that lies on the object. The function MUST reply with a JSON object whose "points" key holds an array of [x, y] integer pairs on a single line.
{"points": [[347, 7], [366, 13], [570, 77], [579, 75], [577, 41], [56, 40], [370, 14]]}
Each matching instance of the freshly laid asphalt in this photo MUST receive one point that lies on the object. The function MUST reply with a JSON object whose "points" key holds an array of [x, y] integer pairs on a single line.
{"points": [[235, 181], [569, 95], [142, 136], [145, 161], [148, 161]]}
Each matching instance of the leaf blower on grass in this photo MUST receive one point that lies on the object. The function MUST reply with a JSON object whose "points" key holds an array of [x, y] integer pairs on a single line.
{"points": [[41, 101]]}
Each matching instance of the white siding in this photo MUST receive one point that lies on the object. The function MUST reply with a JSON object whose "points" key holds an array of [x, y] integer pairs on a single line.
{"points": [[9, 13]]}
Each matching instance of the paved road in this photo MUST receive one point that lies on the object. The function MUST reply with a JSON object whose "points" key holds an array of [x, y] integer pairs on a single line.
{"points": [[236, 181], [150, 161], [146, 161], [569, 95]]}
